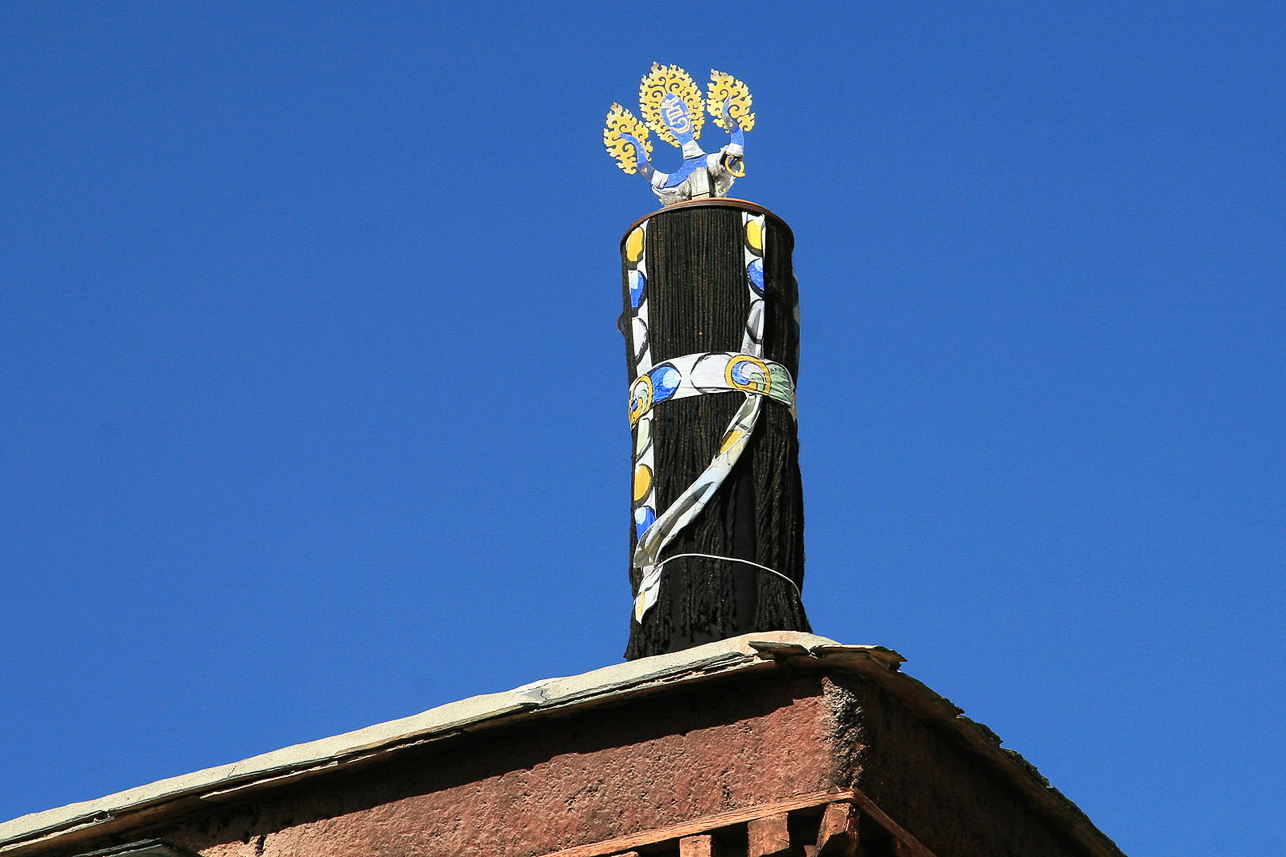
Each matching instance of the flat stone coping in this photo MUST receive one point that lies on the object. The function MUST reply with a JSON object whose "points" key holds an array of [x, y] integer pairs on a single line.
{"points": [[313, 756], [758, 651]]}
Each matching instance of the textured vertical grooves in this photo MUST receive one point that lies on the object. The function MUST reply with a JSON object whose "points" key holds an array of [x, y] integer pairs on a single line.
{"points": [[698, 302]]}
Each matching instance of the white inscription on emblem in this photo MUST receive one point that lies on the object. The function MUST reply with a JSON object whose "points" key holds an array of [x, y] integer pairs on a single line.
{"points": [[675, 116]]}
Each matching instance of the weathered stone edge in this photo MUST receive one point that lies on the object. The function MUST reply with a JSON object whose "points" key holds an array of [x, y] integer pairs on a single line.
{"points": [[278, 765]]}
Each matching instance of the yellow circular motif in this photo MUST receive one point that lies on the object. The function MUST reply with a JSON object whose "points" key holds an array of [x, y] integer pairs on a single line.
{"points": [[755, 236], [642, 482], [640, 398], [761, 383], [634, 245]]}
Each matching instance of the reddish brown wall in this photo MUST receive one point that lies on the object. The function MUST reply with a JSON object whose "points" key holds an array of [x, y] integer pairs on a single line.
{"points": [[552, 783], [930, 783], [542, 782]]}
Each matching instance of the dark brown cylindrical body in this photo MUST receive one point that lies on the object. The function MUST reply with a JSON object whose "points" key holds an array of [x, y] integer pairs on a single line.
{"points": [[698, 301]]}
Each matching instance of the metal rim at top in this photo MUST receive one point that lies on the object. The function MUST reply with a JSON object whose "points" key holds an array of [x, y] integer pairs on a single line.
{"points": [[720, 202]]}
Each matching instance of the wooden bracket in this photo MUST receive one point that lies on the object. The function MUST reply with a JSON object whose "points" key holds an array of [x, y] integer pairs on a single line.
{"points": [[769, 836], [837, 836], [701, 845]]}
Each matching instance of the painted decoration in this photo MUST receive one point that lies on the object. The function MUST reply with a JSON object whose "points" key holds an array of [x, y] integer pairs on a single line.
{"points": [[745, 371], [671, 105], [704, 374], [644, 507]]}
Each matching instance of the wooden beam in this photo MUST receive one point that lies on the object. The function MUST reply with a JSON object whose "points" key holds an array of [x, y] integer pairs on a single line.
{"points": [[703, 824], [769, 819], [769, 836], [837, 836], [907, 845]]}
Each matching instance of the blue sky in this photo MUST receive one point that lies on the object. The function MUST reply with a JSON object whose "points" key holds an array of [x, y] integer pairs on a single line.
{"points": [[312, 404]]}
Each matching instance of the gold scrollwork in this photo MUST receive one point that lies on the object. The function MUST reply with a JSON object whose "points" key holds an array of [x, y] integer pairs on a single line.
{"points": [[661, 81], [726, 88], [757, 381], [620, 120], [640, 398]]}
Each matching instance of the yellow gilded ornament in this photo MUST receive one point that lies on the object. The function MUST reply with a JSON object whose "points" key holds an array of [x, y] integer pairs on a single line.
{"points": [[726, 90], [619, 121], [661, 81], [672, 106]]}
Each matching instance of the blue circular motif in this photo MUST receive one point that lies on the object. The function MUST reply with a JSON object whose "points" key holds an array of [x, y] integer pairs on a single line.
{"points": [[637, 283], [643, 518], [665, 380], [756, 271]]}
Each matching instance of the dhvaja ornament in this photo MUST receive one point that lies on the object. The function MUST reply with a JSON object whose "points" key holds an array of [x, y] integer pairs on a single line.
{"points": [[671, 104], [711, 323]]}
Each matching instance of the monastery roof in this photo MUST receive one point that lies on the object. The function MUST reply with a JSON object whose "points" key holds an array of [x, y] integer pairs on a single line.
{"points": [[750, 653]]}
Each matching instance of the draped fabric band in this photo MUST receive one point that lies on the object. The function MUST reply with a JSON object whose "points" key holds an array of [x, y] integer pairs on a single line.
{"points": [[705, 374], [745, 371]]}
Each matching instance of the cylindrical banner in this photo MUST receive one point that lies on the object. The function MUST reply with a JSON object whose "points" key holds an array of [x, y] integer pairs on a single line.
{"points": [[711, 325]]}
